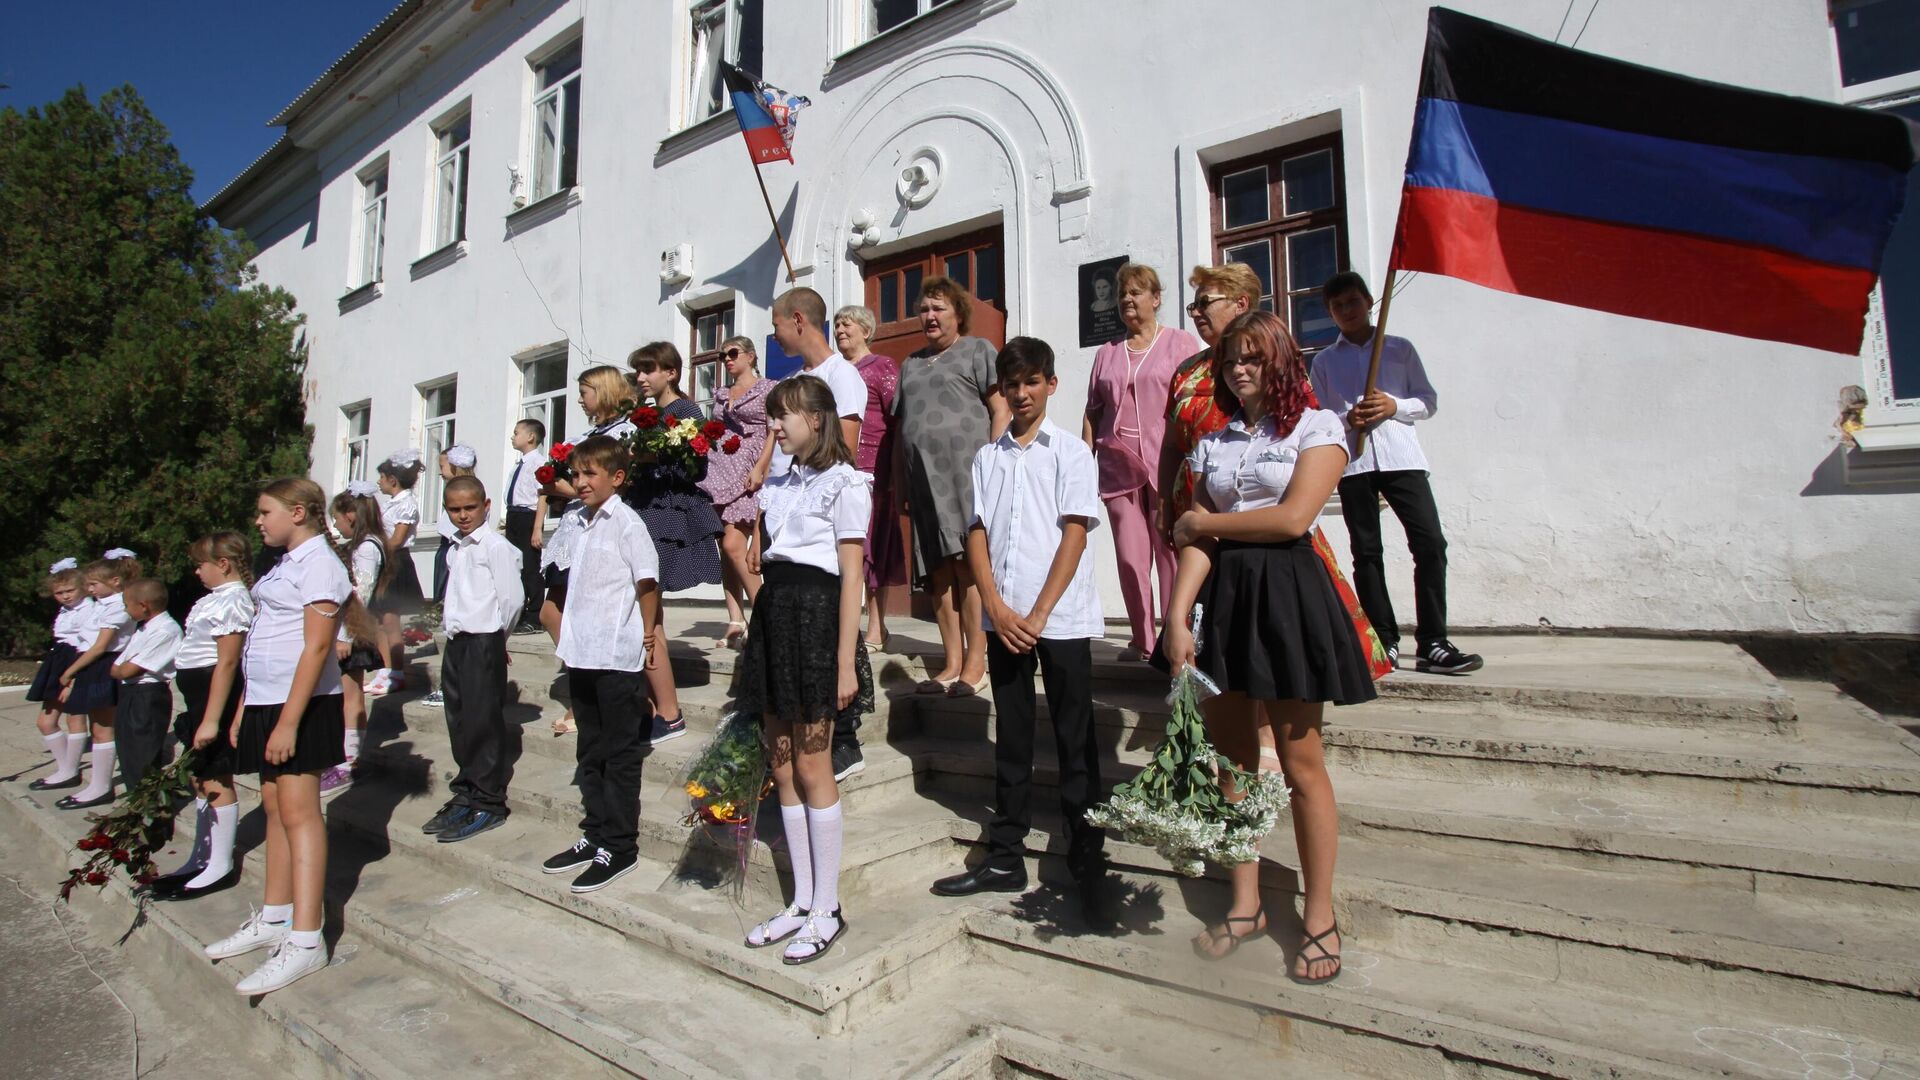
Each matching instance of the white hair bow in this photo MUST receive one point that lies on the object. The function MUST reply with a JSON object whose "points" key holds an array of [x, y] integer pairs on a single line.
{"points": [[461, 456], [362, 489], [64, 565], [118, 553], [405, 456]]}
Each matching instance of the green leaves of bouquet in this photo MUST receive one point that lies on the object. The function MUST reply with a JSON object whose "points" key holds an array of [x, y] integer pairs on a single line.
{"points": [[124, 839]]}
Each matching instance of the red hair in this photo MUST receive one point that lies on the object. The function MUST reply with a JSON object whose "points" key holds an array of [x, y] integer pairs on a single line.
{"points": [[1283, 374]]}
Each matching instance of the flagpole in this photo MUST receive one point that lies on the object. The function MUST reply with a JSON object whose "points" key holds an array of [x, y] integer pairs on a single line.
{"points": [[784, 257], [1379, 337]]}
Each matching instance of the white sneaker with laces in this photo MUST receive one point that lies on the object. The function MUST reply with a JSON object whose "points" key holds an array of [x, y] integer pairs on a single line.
{"points": [[255, 933], [377, 683], [288, 963]]}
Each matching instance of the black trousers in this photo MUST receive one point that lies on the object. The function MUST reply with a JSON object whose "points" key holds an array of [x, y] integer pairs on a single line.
{"points": [[1411, 498], [473, 679], [1066, 668], [615, 720], [520, 525], [143, 729]]}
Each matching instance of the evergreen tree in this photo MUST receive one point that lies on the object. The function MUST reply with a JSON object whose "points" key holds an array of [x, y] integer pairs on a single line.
{"points": [[148, 383]]}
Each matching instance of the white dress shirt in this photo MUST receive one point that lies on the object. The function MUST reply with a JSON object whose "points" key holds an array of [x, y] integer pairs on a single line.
{"points": [[402, 509], [1340, 380], [602, 629], [110, 613], [155, 647], [484, 594], [228, 609], [558, 550], [849, 400], [73, 624], [308, 574], [523, 490], [1022, 496], [1244, 468], [808, 513]]}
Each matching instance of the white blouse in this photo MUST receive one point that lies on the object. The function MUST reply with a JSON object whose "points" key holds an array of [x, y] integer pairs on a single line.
{"points": [[309, 574], [110, 614], [402, 509], [1246, 468], [154, 647], [366, 568], [558, 549], [72, 625], [228, 609], [808, 513]]}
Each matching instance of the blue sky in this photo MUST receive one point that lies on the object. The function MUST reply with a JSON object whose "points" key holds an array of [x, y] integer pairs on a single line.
{"points": [[213, 71]]}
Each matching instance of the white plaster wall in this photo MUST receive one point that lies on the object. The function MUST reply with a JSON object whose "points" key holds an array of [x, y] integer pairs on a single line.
{"points": [[1591, 470]]}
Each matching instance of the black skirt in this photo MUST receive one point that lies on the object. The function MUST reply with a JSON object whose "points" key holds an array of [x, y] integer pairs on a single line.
{"points": [[401, 596], [93, 688], [319, 745], [46, 681], [556, 579], [361, 659], [1274, 629], [791, 666], [196, 685]]}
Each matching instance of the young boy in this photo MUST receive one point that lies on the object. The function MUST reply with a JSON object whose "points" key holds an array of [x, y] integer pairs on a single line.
{"points": [[482, 600], [526, 513], [1391, 467], [1035, 496], [144, 717], [611, 598]]}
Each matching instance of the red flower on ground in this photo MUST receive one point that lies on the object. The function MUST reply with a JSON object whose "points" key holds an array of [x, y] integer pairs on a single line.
{"points": [[732, 444], [95, 877], [700, 444], [561, 451], [713, 429], [646, 416], [119, 855], [544, 474], [146, 878]]}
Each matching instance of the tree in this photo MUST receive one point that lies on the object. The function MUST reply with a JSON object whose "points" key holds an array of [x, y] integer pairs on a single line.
{"points": [[148, 383]]}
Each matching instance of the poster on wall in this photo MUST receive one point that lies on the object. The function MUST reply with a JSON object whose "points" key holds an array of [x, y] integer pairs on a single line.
{"points": [[1100, 302]]}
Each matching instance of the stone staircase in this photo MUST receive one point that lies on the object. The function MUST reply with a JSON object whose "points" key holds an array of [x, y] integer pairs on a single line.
{"points": [[1600, 857]]}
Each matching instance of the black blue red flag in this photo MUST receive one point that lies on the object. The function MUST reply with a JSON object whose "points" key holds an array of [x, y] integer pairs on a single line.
{"points": [[766, 113]]}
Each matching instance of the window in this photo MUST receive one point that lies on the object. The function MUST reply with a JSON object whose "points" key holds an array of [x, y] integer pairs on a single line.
{"points": [[373, 226], [884, 15], [975, 260], [721, 30], [556, 123], [357, 421], [543, 393], [705, 368], [437, 407], [1283, 214], [450, 183], [1877, 39]]}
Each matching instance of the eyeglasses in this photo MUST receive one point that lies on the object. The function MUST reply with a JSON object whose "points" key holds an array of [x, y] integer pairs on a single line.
{"points": [[733, 353], [1202, 303]]}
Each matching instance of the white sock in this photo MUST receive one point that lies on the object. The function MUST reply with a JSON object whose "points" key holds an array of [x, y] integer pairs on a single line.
{"points": [[219, 850], [196, 855], [304, 939], [69, 756], [353, 745], [799, 852], [57, 746], [823, 837], [101, 782], [276, 913]]}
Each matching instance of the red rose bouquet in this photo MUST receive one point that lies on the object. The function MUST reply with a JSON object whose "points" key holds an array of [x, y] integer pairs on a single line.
{"points": [[683, 444], [557, 467]]}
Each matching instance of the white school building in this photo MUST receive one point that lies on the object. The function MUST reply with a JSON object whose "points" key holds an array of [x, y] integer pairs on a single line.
{"points": [[480, 200]]}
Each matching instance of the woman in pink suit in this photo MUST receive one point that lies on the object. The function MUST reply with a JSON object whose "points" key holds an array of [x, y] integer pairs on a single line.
{"points": [[1126, 417]]}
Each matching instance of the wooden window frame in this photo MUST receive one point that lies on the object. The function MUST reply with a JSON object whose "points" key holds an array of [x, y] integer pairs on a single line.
{"points": [[1278, 225]]}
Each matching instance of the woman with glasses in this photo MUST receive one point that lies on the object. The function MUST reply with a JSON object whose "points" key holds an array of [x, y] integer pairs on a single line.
{"points": [[1221, 294], [742, 407], [886, 553]]}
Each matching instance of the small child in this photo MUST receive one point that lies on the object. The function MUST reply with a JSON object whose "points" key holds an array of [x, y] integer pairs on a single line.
{"points": [[612, 594], [483, 598], [803, 671], [207, 671], [89, 689], [401, 597], [456, 460], [67, 587], [526, 513], [356, 516], [144, 671], [1036, 494]]}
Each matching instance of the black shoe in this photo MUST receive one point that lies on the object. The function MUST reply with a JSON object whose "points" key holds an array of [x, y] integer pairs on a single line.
{"points": [[847, 760], [167, 883], [664, 729], [605, 869], [526, 628], [982, 879], [1441, 658], [475, 823], [1393, 656], [42, 784], [449, 816], [575, 857], [71, 803], [181, 892]]}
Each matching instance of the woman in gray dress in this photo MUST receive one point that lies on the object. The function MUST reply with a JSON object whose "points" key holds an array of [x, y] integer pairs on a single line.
{"points": [[947, 407]]}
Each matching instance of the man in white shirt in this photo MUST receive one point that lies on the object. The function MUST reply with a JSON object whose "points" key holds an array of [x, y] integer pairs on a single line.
{"points": [[143, 720], [482, 599], [1392, 467], [526, 514]]}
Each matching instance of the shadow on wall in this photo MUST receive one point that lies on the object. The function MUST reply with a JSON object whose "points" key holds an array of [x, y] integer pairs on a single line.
{"points": [[748, 278], [1830, 478]]}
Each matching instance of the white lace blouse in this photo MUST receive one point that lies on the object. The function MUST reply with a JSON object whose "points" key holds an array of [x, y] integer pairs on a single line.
{"points": [[808, 512]]}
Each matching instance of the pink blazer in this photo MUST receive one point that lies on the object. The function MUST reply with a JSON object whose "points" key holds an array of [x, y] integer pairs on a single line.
{"points": [[1113, 403]]}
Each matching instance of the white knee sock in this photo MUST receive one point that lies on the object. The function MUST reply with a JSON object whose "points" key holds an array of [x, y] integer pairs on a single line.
{"points": [[101, 782], [799, 852], [823, 837], [69, 757], [219, 862], [352, 746], [57, 746], [196, 855]]}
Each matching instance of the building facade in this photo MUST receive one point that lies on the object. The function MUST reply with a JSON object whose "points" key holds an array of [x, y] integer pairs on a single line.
{"points": [[481, 200]]}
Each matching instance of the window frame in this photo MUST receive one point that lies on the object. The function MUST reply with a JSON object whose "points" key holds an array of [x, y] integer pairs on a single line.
{"points": [[547, 176], [725, 318], [1279, 226], [870, 16], [702, 72], [460, 157], [356, 449], [443, 425], [553, 401], [370, 263]]}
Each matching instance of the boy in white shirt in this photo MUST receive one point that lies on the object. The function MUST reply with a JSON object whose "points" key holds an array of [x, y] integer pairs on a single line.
{"points": [[144, 716], [1035, 497], [611, 596], [483, 599]]}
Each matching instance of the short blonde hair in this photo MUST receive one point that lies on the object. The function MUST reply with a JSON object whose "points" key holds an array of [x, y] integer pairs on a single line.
{"points": [[945, 288], [1141, 272], [859, 315], [610, 388], [1234, 279]]}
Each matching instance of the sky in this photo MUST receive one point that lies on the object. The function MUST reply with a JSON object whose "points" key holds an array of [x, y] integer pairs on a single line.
{"points": [[213, 71]]}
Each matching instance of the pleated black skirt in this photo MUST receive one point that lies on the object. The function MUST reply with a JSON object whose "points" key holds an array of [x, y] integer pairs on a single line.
{"points": [[402, 595], [196, 685], [319, 746], [791, 666], [1273, 627], [93, 688], [46, 680]]}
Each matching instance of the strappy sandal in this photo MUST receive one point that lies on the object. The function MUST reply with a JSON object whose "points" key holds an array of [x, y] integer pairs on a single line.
{"points": [[1317, 941], [1225, 931], [810, 936], [565, 726], [735, 636], [765, 930]]}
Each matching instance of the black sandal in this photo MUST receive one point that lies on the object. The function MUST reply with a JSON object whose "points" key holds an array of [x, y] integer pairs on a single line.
{"points": [[809, 935], [1317, 941], [1225, 930]]}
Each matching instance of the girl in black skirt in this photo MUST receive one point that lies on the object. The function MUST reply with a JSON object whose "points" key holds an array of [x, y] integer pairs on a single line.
{"points": [[290, 730], [1274, 635], [88, 692], [207, 672], [401, 596], [804, 669], [356, 516], [70, 623]]}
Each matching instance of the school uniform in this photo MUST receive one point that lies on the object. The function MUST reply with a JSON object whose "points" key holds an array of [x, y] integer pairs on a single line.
{"points": [[309, 574], [70, 639], [523, 503], [93, 686], [401, 594], [603, 642], [484, 597], [364, 565], [141, 721], [1022, 496], [227, 610], [556, 555]]}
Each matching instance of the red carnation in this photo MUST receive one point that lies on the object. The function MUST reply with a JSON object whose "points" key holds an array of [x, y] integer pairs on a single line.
{"points": [[145, 878], [561, 451], [95, 877], [545, 474], [119, 855], [713, 429], [646, 416], [732, 444], [700, 444]]}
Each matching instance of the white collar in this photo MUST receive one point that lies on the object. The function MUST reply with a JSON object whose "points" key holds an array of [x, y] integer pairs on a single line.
{"points": [[1238, 423], [1044, 436]]}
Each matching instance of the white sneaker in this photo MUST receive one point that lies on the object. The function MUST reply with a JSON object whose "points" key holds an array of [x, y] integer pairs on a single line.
{"points": [[378, 683], [288, 963], [253, 934]]}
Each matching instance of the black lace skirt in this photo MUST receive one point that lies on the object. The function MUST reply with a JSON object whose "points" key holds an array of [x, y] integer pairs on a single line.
{"points": [[791, 666]]}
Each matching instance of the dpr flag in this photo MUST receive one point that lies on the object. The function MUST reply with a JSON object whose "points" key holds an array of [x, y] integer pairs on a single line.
{"points": [[766, 114]]}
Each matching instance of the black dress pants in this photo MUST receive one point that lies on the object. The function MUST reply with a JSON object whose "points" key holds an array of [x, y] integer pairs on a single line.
{"points": [[615, 721], [521, 522], [143, 729], [1066, 668], [1411, 498], [473, 678]]}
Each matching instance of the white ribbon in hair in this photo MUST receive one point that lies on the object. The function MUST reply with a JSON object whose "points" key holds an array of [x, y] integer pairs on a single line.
{"points": [[404, 457], [461, 456], [118, 553], [64, 565], [362, 489]]}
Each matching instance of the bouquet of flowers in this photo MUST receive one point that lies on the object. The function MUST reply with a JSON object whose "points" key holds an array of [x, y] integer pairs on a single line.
{"points": [[1176, 805], [682, 445], [556, 467], [727, 781], [124, 838]]}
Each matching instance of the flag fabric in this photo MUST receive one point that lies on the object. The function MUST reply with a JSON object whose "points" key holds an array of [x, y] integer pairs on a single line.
{"points": [[1548, 172], [766, 115]]}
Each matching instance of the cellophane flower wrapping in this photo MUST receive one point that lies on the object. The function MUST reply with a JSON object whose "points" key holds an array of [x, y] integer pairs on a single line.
{"points": [[725, 784]]}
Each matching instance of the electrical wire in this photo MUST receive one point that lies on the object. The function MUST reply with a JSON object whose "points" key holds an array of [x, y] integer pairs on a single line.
{"points": [[1563, 20], [1583, 24]]}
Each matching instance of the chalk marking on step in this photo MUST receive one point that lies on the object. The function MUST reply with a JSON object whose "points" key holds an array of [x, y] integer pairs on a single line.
{"points": [[460, 893], [1807, 1053], [1599, 810], [413, 1021], [342, 953]]}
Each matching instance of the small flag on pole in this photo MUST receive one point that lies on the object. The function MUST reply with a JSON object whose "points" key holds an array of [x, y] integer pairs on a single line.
{"points": [[1553, 173], [766, 115]]}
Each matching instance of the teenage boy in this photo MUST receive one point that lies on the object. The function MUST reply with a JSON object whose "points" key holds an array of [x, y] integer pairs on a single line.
{"points": [[1391, 467], [611, 598], [526, 513], [482, 599], [144, 721], [1035, 496]]}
